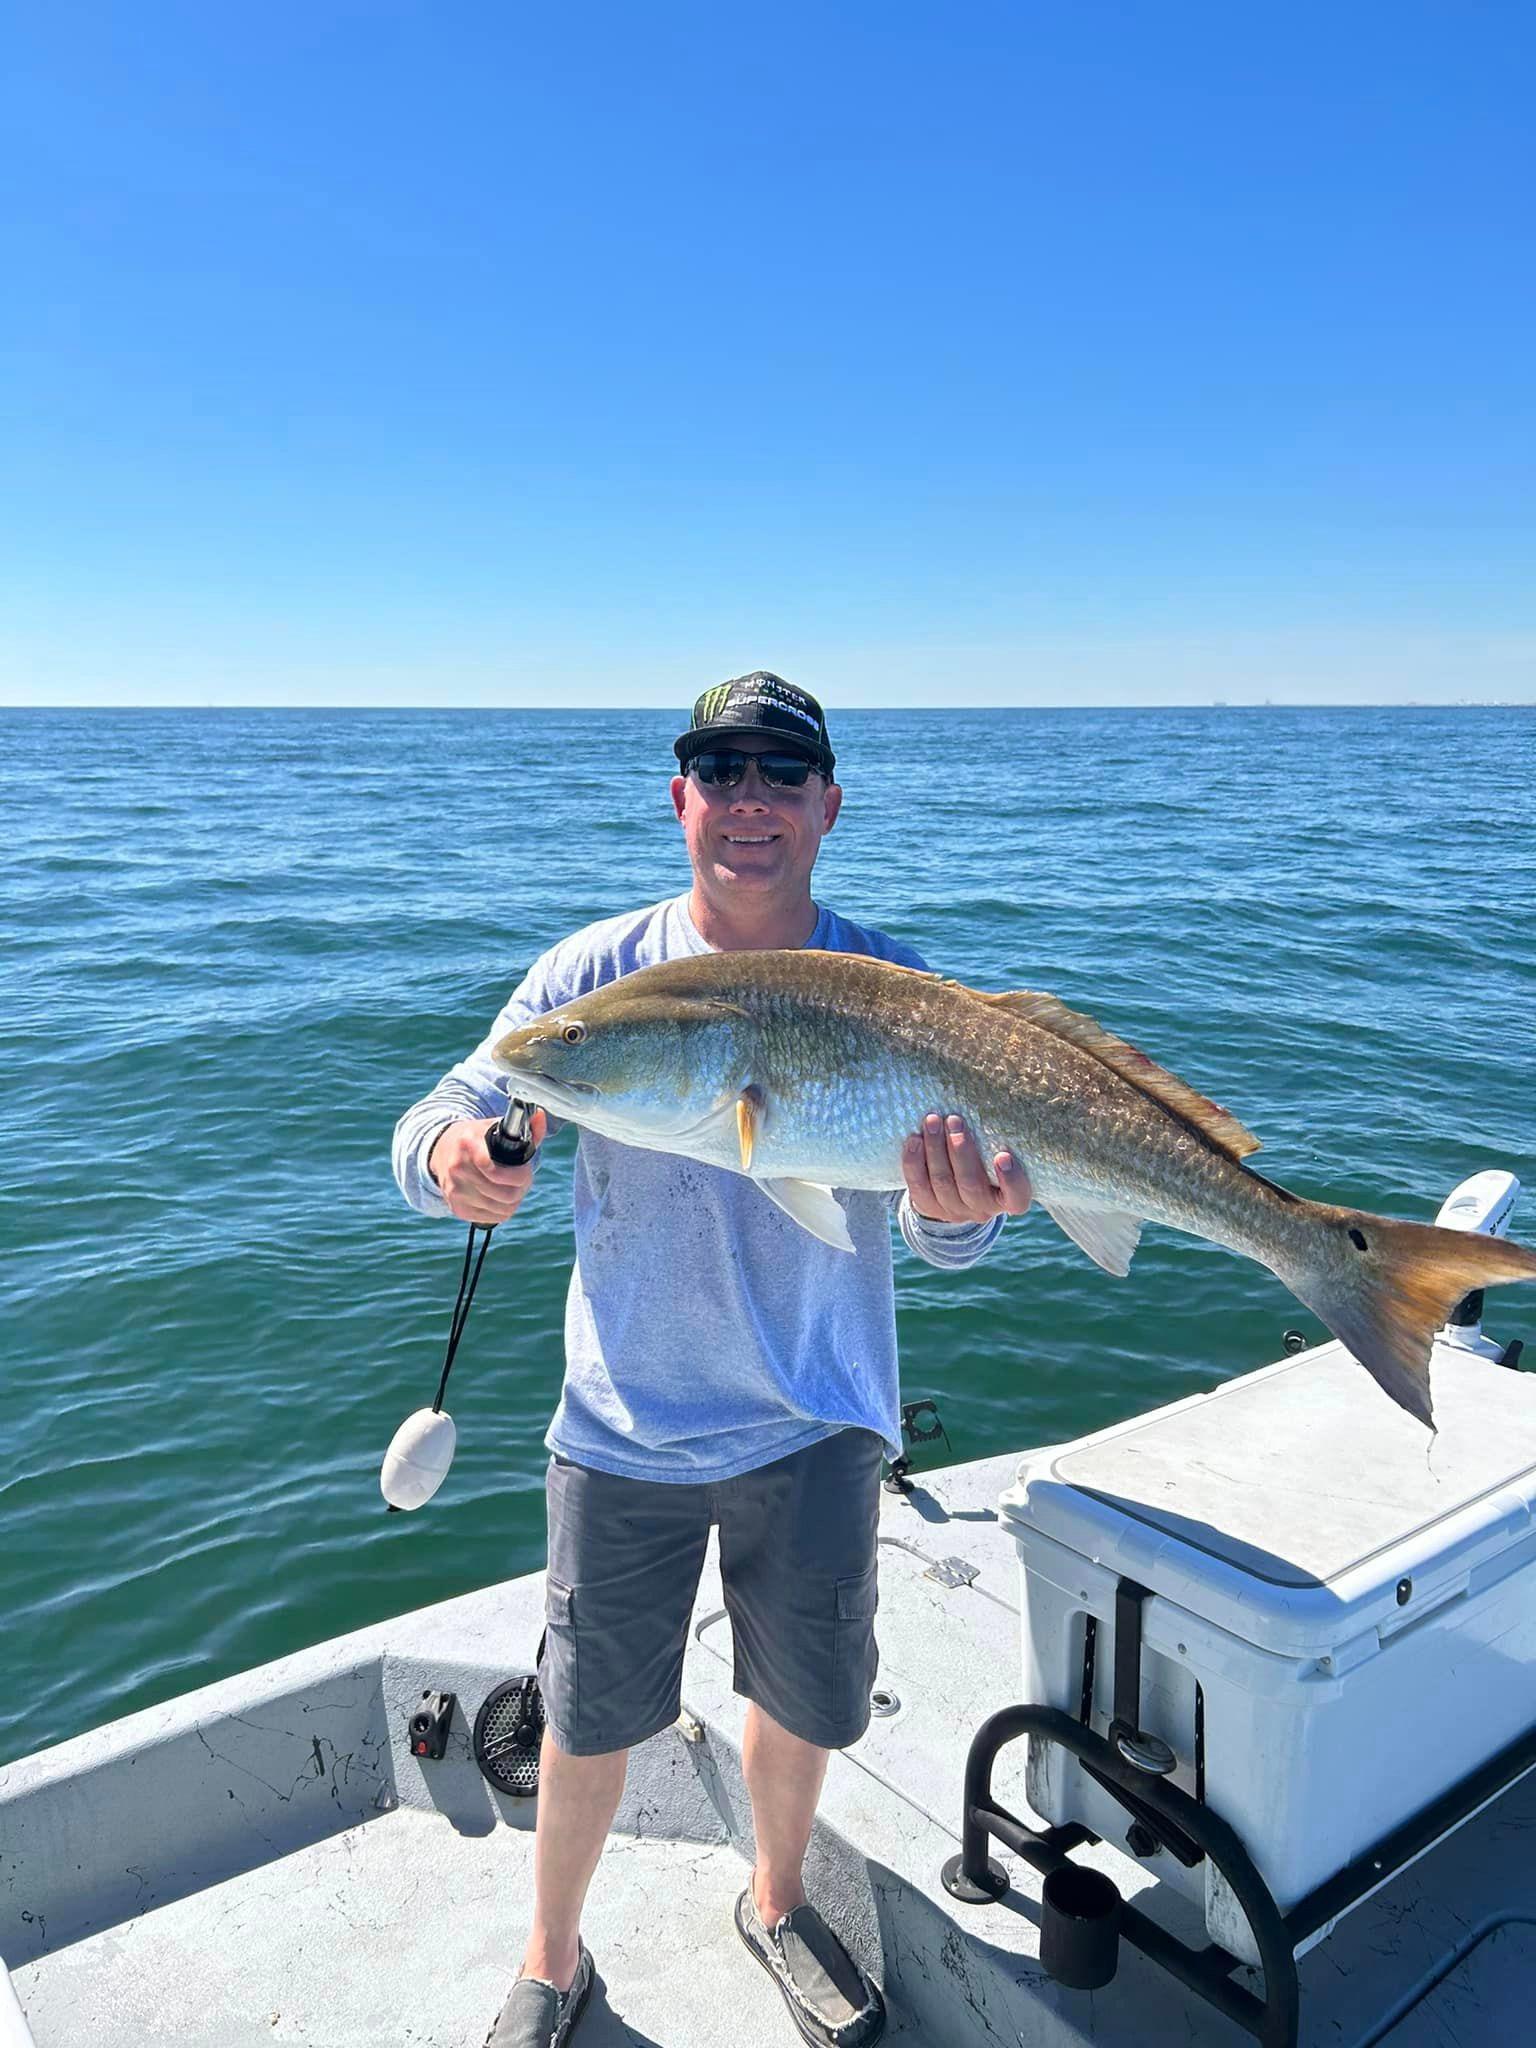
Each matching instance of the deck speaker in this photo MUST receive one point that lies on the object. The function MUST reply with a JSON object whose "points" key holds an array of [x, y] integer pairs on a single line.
{"points": [[509, 1729]]}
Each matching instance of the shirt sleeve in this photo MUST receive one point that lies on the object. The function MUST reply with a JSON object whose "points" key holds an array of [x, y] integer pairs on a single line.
{"points": [[951, 1245], [473, 1087]]}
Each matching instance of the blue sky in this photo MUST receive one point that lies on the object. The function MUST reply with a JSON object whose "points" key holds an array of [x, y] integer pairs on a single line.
{"points": [[476, 353]]}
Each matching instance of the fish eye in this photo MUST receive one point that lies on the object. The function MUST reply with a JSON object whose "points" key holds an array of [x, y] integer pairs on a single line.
{"points": [[573, 1032]]}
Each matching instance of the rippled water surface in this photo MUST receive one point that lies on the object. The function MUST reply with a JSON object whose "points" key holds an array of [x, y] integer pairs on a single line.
{"points": [[237, 944]]}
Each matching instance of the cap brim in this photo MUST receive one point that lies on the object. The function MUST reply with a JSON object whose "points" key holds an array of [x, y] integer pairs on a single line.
{"points": [[702, 738]]}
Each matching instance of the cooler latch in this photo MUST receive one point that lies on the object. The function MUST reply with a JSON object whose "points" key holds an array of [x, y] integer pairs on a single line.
{"points": [[1136, 1745], [1147, 1752]]}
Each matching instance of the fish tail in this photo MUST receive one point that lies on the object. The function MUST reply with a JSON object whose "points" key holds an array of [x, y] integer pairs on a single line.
{"points": [[1384, 1288]]}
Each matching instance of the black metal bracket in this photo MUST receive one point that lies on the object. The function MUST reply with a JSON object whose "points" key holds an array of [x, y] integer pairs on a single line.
{"points": [[972, 1875], [1187, 1827], [920, 1424]]}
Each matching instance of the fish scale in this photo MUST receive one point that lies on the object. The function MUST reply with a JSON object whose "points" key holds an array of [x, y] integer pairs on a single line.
{"points": [[1015, 1093]]}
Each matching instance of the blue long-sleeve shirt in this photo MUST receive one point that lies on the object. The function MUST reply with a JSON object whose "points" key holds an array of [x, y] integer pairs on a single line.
{"points": [[706, 1333]]}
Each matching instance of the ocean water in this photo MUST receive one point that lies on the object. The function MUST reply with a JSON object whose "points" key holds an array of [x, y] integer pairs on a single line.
{"points": [[237, 944]]}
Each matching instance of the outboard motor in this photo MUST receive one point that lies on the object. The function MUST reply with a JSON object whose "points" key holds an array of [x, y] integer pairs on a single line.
{"points": [[1482, 1204]]}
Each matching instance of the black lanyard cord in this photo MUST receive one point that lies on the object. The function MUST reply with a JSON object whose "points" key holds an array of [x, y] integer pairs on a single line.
{"points": [[469, 1280], [510, 1143]]}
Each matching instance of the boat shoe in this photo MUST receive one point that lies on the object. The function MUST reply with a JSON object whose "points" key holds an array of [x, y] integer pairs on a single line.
{"points": [[830, 1999], [536, 2015]]}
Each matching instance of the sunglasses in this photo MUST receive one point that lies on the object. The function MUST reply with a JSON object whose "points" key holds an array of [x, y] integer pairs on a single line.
{"points": [[723, 768]]}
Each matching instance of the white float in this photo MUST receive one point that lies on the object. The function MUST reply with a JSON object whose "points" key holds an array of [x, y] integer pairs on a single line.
{"points": [[417, 1461]]}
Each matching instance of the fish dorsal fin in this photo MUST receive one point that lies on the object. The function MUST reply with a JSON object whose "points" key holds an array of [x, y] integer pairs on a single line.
{"points": [[1214, 1123]]}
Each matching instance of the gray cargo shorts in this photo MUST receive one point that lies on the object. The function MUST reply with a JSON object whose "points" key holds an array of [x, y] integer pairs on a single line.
{"points": [[797, 1557]]}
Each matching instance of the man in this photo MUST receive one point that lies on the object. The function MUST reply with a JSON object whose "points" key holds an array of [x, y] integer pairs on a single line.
{"points": [[722, 1367]]}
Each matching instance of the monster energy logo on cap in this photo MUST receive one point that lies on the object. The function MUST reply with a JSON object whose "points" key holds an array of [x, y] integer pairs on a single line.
{"points": [[758, 703]]}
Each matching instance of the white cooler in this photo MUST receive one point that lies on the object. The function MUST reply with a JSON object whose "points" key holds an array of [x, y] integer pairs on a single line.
{"points": [[1352, 1597]]}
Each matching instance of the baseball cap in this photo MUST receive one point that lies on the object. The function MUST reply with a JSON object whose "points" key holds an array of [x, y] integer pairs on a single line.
{"points": [[760, 703]]}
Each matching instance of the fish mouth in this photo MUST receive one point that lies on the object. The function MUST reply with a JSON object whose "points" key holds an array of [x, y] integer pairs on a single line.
{"points": [[560, 1084], [523, 1069], [550, 1092]]}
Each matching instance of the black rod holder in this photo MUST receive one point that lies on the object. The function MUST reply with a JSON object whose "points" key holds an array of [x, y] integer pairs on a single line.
{"points": [[1080, 1915], [972, 1876], [1206, 1972]]}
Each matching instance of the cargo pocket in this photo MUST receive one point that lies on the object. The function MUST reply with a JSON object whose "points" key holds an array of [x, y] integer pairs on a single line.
{"points": [[557, 1670], [856, 1655]]}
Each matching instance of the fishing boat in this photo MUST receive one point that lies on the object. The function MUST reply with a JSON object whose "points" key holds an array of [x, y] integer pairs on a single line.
{"points": [[1214, 1723]]}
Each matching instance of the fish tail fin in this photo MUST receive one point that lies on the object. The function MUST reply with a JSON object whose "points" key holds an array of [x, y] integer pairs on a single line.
{"points": [[1384, 1288]]}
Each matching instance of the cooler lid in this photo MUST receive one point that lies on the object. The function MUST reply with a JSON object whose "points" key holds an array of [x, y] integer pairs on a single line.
{"points": [[1290, 1503]]}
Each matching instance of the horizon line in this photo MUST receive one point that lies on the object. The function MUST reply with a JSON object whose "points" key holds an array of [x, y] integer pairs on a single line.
{"points": [[840, 711]]}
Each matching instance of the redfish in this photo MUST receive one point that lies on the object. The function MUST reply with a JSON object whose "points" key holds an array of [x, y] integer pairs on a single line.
{"points": [[806, 1071]]}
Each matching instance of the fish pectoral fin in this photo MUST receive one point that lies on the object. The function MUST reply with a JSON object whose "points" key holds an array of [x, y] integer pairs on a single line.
{"points": [[749, 1111], [814, 1208], [1108, 1236]]}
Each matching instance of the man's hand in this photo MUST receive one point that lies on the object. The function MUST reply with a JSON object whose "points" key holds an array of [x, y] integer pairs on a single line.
{"points": [[946, 1181], [475, 1188]]}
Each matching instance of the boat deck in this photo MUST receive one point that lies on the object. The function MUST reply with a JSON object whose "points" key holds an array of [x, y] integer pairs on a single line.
{"points": [[405, 1932], [263, 1861]]}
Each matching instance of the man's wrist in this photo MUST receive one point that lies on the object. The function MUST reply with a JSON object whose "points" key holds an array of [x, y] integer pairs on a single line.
{"points": [[432, 1145]]}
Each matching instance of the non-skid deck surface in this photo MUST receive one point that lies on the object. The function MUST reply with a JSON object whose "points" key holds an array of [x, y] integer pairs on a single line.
{"points": [[1485, 2000], [404, 1934]]}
